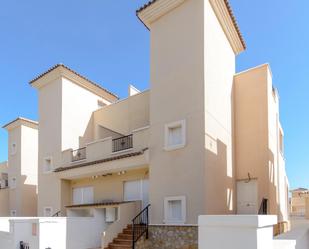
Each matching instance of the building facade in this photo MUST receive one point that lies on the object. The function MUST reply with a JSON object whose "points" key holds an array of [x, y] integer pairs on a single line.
{"points": [[202, 140], [299, 202], [21, 171]]}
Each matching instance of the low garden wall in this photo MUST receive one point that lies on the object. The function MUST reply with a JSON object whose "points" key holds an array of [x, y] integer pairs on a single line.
{"points": [[170, 237]]}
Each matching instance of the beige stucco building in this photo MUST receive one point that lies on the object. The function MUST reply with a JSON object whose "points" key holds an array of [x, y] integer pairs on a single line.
{"points": [[299, 202], [202, 140], [4, 191], [20, 193]]}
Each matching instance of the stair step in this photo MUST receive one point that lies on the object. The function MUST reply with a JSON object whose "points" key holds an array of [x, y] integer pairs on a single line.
{"points": [[127, 231], [124, 236], [122, 241], [119, 246]]}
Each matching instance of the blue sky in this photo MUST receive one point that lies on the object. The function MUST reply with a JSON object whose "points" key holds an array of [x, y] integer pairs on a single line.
{"points": [[104, 41]]}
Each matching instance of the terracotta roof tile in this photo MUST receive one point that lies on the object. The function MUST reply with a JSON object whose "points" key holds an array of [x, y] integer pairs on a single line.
{"points": [[138, 153], [22, 119], [228, 7], [98, 204], [71, 70], [235, 22], [145, 6]]}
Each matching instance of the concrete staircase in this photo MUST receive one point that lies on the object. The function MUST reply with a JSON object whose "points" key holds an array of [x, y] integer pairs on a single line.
{"points": [[123, 240]]}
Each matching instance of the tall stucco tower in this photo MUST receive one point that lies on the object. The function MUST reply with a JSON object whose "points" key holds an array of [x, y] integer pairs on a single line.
{"points": [[193, 49], [23, 167], [66, 103]]}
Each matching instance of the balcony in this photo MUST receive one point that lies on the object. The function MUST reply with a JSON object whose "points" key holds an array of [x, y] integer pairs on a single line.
{"points": [[79, 154], [122, 143], [108, 150]]}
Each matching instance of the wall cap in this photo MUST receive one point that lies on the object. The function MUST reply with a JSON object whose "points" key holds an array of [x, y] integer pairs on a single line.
{"points": [[250, 221]]}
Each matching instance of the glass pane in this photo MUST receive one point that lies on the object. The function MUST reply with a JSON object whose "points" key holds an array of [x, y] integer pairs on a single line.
{"points": [[174, 208], [132, 191]]}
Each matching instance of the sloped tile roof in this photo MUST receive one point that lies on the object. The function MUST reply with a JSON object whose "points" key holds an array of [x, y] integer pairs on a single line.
{"points": [[71, 70], [227, 5]]}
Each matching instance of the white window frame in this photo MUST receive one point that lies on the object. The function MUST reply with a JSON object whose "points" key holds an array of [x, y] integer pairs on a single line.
{"points": [[13, 186], [182, 125], [167, 219], [51, 211], [13, 148], [45, 166], [13, 211]]}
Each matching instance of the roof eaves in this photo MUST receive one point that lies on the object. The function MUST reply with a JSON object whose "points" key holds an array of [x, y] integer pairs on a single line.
{"points": [[145, 6], [21, 119], [71, 70]]}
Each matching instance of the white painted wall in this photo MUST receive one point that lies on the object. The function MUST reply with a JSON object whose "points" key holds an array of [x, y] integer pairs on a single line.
{"points": [[236, 232], [78, 104], [56, 233], [249, 232]]}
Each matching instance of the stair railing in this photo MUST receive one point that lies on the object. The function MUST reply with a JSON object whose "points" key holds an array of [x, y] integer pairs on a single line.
{"points": [[263, 207], [140, 225], [57, 214]]}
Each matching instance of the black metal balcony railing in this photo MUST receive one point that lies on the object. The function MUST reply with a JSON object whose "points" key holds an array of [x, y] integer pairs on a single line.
{"points": [[123, 143], [140, 225], [79, 154]]}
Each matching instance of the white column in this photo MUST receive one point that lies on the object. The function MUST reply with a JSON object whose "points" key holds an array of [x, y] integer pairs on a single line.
{"points": [[236, 231]]}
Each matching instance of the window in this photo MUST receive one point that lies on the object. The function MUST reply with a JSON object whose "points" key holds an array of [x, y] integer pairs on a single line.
{"points": [[175, 135], [13, 148], [175, 210], [48, 211], [132, 191], [48, 164], [13, 183], [13, 213], [83, 195], [136, 191]]}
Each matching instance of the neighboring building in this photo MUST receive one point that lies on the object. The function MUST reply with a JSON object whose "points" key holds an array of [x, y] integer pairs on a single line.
{"points": [[202, 140], [4, 191], [298, 201], [22, 168], [259, 148]]}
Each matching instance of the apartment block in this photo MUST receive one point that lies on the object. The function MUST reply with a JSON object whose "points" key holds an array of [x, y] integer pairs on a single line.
{"points": [[20, 177], [202, 140]]}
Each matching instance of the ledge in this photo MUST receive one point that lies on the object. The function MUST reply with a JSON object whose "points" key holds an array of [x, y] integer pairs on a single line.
{"points": [[249, 221], [117, 157]]}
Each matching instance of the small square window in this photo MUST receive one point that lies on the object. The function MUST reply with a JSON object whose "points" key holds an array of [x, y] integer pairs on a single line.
{"points": [[175, 135], [13, 213], [13, 149], [175, 210], [48, 211], [48, 165], [13, 183]]}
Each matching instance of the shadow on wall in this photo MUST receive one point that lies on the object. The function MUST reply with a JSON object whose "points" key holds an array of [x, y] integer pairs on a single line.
{"points": [[220, 182], [29, 200], [274, 187], [88, 134], [96, 132]]}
